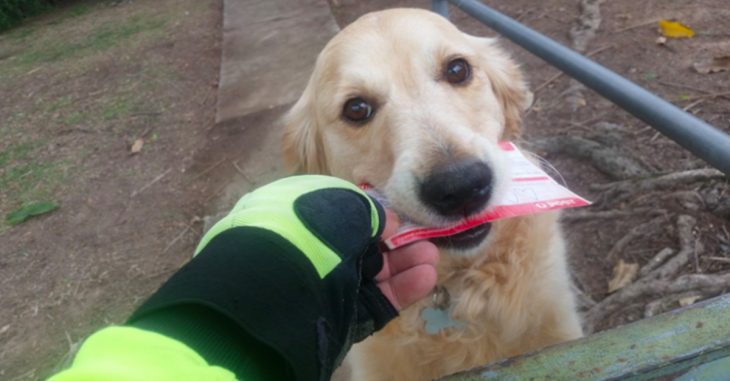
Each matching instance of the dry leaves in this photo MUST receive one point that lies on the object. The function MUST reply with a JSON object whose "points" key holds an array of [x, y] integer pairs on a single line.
{"points": [[712, 65], [675, 29], [136, 146], [623, 274]]}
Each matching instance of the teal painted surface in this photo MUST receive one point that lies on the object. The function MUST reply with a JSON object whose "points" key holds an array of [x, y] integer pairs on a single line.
{"points": [[718, 370], [665, 345]]}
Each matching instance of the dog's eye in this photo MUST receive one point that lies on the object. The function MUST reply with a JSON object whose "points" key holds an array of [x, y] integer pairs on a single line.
{"points": [[357, 110], [457, 71]]}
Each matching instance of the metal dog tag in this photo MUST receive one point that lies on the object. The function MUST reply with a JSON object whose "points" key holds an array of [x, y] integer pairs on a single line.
{"points": [[438, 319]]}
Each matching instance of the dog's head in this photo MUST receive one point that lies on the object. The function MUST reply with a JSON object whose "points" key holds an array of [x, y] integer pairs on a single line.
{"points": [[404, 101]]}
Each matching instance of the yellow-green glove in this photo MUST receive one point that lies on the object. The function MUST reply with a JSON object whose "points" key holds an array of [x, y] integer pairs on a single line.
{"points": [[293, 264]]}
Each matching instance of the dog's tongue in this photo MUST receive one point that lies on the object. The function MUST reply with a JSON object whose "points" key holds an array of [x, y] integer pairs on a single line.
{"points": [[529, 191]]}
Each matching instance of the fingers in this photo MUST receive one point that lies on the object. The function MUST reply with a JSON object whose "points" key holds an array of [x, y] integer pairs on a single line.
{"points": [[402, 258], [409, 273], [409, 286]]}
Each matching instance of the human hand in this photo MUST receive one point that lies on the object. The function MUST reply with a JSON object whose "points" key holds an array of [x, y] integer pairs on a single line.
{"points": [[297, 264], [409, 272]]}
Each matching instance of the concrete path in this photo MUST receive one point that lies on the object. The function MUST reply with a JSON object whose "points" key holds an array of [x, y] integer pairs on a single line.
{"points": [[269, 49]]}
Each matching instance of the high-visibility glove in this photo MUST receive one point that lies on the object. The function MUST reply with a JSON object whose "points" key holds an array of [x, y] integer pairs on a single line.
{"points": [[293, 265]]}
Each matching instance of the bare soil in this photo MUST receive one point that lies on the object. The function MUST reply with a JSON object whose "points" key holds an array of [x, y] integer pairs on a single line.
{"points": [[79, 85]]}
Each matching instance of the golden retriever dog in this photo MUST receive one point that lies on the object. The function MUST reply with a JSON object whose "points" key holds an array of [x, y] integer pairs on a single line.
{"points": [[404, 101]]}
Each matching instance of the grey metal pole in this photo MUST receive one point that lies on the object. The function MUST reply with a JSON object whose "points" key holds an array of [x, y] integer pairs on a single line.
{"points": [[698, 137], [441, 7]]}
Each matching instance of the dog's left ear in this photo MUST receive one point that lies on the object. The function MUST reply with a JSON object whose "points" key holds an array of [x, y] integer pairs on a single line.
{"points": [[508, 84]]}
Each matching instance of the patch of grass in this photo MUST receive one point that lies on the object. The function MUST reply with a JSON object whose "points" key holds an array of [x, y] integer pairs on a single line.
{"points": [[22, 33], [649, 76], [107, 36], [101, 39], [119, 107], [17, 152], [55, 104], [25, 178], [79, 10], [73, 118]]}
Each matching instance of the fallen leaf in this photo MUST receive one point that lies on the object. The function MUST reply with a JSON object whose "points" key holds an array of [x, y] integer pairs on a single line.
{"points": [[712, 65], [675, 29], [687, 300], [623, 274], [31, 210], [136, 146]]}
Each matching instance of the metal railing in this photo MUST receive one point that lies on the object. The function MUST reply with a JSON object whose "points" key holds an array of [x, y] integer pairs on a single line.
{"points": [[700, 138]]}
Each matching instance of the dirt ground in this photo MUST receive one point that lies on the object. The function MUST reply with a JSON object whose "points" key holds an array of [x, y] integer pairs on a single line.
{"points": [[80, 85]]}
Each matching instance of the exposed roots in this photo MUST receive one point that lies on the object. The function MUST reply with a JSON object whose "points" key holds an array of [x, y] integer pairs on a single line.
{"points": [[611, 161], [581, 35], [659, 277], [638, 231], [620, 190], [579, 215]]}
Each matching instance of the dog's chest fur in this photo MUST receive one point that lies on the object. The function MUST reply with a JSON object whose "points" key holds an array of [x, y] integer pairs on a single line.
{"points": [[502, 300]]}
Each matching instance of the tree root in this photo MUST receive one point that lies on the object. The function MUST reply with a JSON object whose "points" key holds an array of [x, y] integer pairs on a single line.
{"points": [[688, 199], [611, 161], [581, 35], [579, 215], [655, 262], [638, 231], [668, 302], [659, 277], [619, 191]]}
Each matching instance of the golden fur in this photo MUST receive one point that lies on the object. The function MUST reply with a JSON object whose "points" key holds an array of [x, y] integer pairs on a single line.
{"points": [[512, 291]]}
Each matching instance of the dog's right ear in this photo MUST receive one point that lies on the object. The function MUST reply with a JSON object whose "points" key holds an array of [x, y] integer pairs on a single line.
{"points": [[302, 143]]}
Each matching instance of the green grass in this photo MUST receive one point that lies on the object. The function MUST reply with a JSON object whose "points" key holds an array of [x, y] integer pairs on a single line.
{"points": [[649, 76], [81, 41], [22, 33], [79, 10], [17, 152], [73, 118], [99, 40], [25, 178], [119, 107], [53, 105]]}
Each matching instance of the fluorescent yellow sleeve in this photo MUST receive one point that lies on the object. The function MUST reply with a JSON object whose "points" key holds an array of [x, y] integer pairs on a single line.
{"points": [[132, 354]]}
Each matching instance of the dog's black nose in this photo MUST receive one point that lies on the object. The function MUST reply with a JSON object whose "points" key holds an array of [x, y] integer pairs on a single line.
{"points": [[458, 189]]}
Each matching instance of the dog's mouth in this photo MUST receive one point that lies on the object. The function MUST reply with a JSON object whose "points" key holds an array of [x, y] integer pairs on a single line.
{"points": [[464, 240], [462, 234]]}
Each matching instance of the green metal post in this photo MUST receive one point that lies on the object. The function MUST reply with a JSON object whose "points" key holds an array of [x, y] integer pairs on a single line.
{"points": [[663, 347]]}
